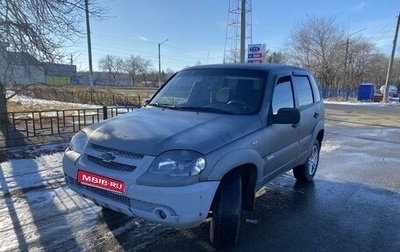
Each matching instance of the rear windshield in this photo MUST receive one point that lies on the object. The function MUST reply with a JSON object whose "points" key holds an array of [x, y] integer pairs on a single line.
{"points": [[229, 91]]}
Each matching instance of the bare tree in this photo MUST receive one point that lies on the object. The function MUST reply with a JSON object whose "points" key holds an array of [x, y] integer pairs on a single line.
{"points": [[319, 45], [40, 28], [395, 78], [322, 46], [111, 64], [136, 65], [169, 72], [232, 56], [275, 57], [375, 71], [361, 56]]}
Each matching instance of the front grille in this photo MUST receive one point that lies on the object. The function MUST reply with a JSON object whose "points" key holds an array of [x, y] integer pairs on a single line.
{"points": [[111, 165], [116, 151]]}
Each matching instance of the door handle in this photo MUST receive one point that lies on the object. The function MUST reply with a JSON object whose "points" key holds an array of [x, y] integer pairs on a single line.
{"points": [[316, 115], [296, 125]]}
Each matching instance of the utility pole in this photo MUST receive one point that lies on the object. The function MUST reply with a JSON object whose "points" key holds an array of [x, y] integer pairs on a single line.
{"points": [[242, 31], [238, 31], [159, 62], [89, 47], [389, 72], [345, 62]]}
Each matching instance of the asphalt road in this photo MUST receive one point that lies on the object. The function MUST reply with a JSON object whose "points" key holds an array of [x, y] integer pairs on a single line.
{"points": [[353, 204]]}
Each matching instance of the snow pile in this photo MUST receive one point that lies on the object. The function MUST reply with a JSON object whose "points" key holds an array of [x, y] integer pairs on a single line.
{"points": [[29, 102]]}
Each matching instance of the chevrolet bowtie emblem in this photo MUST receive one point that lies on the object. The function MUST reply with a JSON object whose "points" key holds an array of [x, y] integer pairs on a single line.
{"points": [[108, 157]]}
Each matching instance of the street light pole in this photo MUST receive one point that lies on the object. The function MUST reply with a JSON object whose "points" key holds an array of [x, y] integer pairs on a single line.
{"points": [[346, 55], [159, 62], [89, 47]]}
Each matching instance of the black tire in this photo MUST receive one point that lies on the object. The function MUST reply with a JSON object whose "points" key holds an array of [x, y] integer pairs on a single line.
{"points": [[306, 172], [226, 211]]}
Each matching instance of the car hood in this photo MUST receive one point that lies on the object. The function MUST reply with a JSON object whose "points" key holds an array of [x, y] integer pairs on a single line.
{"points": [[151, 131]]}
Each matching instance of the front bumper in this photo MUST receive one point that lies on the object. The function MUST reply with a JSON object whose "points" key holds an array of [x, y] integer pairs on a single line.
{"points": [[181, 206]]}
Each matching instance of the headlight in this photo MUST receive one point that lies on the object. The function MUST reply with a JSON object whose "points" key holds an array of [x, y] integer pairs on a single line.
{"points": [[179, 163], [78, 142]]}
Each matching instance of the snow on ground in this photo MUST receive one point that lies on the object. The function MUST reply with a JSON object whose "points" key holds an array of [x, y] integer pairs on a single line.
{"points": [[22, 162], [363, 103], [32, 102], [50, 105]]}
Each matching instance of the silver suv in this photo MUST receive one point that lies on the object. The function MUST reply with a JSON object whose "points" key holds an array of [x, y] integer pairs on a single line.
{"points": [[204, 144]]}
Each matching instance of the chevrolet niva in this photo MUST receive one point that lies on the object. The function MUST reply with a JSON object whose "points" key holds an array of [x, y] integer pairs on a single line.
{"points": [[202, 146]]}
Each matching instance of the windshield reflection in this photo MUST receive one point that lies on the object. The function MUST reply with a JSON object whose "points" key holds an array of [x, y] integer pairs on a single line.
{"points": [[214, 91]]}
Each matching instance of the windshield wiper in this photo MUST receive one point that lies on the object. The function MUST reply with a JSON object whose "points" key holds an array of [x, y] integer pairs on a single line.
{"points": [[191, 108], [204, 109], [162, 105]]}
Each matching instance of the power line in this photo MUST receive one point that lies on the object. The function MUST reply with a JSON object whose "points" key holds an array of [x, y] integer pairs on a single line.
{"points": [[384, 31]]}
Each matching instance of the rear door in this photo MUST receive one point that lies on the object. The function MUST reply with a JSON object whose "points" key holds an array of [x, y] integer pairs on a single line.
{"points": [[307, 98]]}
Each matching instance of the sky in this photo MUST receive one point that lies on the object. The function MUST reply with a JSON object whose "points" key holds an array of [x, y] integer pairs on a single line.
{"points": [[191, 32]]}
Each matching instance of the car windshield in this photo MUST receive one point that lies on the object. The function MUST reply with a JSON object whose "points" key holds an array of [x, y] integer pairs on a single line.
{"points": [[228, 91]]}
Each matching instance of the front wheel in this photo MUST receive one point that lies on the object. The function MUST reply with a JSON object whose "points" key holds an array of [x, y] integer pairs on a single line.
{"points": [[306, 172], [226, 211]]}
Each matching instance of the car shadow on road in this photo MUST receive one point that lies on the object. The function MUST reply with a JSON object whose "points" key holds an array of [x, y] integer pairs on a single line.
{"points": [[34, 226], [17, 226], [137, 235]]}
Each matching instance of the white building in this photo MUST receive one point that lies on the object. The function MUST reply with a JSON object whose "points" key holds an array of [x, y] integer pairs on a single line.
{"points": [[19, 68]]}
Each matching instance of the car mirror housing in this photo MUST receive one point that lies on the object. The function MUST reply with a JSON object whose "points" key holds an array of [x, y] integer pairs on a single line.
{"points": [[287, 116]]}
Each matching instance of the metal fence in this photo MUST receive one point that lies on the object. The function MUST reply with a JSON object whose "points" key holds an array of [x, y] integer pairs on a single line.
{"points": [[345, 94], [54, 122]]}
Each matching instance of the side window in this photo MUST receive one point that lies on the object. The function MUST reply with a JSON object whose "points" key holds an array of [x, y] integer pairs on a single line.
{"points": [[303, 90], [317, 94], [283, 95]]}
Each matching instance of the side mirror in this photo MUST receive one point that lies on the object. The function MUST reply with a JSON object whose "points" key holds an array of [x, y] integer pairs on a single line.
{"points": [[287, 116]]}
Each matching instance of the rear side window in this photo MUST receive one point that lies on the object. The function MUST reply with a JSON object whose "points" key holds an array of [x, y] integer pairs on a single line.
{"points": [[283, 95], [303, 90], [317, 94]]}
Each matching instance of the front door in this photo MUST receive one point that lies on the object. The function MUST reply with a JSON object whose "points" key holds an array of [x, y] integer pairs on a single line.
{"points": [[283, 138]]}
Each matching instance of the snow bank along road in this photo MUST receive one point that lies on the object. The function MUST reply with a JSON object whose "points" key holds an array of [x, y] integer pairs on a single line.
{"points": [[359, 173]]}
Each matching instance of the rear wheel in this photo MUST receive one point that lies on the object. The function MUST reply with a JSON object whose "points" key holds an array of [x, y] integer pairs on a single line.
{"points": [[226, 211], [307, 171]]}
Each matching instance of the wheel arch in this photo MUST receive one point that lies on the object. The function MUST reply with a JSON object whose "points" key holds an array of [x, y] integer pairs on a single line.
{"points": [[320, 136], [248, 174]]}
